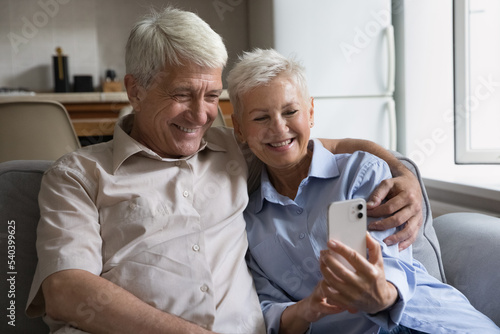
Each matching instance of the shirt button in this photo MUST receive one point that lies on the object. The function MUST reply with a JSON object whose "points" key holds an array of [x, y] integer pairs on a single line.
{"points": [[132, 206], [177, 163], [299, 211], [185, 193], [196, 247], [204, 288], [302, 235]]}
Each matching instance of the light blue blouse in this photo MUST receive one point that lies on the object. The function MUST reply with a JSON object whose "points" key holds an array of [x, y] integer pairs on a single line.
{"points": [[286, 237]]}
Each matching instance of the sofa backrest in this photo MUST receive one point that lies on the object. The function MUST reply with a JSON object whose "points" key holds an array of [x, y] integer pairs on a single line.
{"points": [[426, 248]]}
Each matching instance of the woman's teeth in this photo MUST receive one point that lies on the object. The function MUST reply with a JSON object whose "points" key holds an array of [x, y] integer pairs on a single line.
{"points": [[283, 143]]}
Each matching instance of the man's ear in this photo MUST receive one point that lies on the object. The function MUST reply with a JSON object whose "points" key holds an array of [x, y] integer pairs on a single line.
{"points": [[135, 92], [237, 129]]}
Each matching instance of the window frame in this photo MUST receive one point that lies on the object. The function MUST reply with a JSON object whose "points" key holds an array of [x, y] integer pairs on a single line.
{"points": [[464, 153]]}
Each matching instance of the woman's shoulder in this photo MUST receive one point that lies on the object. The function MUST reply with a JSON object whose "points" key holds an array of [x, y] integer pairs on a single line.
{"points": [[359, 158]]}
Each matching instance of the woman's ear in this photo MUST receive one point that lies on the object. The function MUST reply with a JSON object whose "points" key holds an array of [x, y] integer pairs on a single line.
{"points": [[311, 113], [135, 92], [237, 129]]}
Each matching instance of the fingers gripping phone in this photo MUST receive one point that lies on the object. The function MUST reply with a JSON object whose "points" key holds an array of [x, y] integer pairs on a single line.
{"points": [[347, 223]]}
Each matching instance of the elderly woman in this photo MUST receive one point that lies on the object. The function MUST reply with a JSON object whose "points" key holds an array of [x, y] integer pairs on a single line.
{"points": [[300, 285]]}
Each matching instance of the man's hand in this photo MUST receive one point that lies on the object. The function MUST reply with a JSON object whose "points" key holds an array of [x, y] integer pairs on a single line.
{"points": [[402, 194], [403, 205]]}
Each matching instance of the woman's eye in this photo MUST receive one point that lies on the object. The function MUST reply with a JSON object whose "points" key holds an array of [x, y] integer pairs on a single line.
{"points": [[261, 118], [291, 112]]}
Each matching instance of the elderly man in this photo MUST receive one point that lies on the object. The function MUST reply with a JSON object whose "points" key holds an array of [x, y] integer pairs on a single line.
{"points": [[145, 233]]}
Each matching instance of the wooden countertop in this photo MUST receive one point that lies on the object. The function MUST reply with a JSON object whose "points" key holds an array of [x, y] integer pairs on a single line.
{"points": [[95, 113], [93, 97]]}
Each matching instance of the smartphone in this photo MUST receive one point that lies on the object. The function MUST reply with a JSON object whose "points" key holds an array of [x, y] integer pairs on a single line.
{"points": [[347, 223]]}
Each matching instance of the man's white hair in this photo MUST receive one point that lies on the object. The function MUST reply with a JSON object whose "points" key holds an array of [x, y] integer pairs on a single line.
{"points": [[171, 37]]}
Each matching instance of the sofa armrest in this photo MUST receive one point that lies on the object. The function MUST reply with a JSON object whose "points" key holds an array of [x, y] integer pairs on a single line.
{"points": [[470, 248]]}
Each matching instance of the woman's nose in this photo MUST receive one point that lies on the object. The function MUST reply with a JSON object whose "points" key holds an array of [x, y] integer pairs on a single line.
{"points": [[279, 125]]}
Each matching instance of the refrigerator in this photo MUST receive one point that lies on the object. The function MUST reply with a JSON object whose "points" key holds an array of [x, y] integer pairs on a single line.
{"points": [[347, 48]]}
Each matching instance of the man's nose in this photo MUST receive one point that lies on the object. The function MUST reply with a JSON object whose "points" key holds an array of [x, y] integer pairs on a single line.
{"points": [[199, 111]]}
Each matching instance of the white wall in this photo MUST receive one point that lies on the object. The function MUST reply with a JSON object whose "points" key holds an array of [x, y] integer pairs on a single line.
{"points": [[424, 80], [92, 33]]}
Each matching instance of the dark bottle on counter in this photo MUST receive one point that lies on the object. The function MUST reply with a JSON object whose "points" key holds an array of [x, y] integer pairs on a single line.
{"points": [[61, 75]]}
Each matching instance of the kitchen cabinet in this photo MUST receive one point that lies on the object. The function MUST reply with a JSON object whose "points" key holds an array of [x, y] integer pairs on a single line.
{"points": [[94, 115], [94, 119], [227, 110]]}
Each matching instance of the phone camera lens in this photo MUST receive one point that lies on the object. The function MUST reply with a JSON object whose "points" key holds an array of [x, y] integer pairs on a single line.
{"points": [[360, 206], [360, 215]]}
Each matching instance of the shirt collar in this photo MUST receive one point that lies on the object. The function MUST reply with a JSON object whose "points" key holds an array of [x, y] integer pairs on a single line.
{"points": [[323, 166], [323, 163], [125, 146]]}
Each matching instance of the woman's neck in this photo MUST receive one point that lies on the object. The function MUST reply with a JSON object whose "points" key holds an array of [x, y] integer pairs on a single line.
{"points": [[286, 181]]}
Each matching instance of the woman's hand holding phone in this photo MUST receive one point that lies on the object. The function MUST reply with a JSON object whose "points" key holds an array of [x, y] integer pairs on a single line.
{"points": [[362, 288]]}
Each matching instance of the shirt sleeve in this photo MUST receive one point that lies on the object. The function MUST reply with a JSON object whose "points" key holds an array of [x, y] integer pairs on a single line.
{"points": [[401, 273], [398, 266], [68, 232]]}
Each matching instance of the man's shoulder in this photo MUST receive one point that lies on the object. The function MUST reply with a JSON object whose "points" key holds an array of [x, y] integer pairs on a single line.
{"points": [[93, 155], [359, 158], [362, 164]]}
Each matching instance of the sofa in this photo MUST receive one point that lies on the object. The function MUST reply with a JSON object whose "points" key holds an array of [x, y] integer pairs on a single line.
{"points": [[461, 248]]}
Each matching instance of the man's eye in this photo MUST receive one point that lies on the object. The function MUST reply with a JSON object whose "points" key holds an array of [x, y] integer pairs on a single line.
{"points": [[213, 97], [181, 97]]}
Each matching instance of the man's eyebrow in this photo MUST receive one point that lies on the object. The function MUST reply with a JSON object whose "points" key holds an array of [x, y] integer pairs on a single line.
{"points": [[218, 91], [181, 89]]}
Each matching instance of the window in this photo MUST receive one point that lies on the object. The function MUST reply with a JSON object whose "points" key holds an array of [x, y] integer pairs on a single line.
{"points": [[477, 81]]}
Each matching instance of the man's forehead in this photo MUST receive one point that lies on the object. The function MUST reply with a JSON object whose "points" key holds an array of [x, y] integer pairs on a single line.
{"points": [[188, 80]]}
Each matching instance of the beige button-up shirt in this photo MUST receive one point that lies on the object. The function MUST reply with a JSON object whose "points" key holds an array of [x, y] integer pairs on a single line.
{"points": [[170, 231]]}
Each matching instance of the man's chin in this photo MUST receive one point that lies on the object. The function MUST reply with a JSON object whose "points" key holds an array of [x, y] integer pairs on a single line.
{"points": [[187, 149]]}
